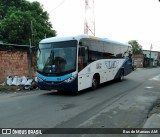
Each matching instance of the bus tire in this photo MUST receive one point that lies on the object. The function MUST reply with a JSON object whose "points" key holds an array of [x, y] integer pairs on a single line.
{"points": [[95, 82], [121, 76]]}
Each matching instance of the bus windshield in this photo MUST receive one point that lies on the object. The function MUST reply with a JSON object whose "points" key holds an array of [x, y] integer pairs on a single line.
{"points": [[57, 57]]}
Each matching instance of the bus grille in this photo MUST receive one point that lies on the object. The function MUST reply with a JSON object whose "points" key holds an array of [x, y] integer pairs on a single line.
{"points": [[53, 82]]}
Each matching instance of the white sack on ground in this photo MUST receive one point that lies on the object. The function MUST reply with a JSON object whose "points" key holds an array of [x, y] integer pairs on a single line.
{"points": [[24, 80], [9, 80], [15, 79], [36, 80], [29, 82], [19, 80]]}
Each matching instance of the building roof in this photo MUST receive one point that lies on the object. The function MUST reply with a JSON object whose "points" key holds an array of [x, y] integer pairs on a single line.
{"points": [[151, 51], [4, 47]]}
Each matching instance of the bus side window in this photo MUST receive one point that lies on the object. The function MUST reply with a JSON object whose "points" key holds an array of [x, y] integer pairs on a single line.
{"points": [[82, 57]]}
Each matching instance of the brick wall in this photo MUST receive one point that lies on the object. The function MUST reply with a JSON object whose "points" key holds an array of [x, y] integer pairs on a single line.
{"points": [[138, 60], [13, 63]]}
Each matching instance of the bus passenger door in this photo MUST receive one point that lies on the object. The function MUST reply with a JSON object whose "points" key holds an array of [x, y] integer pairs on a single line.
{"points": [[84, 74]]}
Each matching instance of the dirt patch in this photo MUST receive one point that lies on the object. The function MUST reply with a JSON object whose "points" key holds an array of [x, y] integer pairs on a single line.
{"points": [[6, 88]]}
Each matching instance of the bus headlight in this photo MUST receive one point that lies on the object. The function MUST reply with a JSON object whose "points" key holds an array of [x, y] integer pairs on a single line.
{"points": [[71, 78]]}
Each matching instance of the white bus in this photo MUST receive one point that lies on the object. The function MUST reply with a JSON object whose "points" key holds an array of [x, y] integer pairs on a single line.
{"points": [[76, 63]]}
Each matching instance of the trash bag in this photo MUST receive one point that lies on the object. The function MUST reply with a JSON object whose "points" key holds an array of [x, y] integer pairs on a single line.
{"points": [[28, 84], [36, 79], [9, 80], [15, 80], [24, 80], [34, 85], [29, 81], [31, 84], [19, 80]]}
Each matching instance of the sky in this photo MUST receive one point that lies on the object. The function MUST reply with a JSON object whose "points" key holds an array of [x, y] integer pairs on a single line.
{"points": [[120, 20]]}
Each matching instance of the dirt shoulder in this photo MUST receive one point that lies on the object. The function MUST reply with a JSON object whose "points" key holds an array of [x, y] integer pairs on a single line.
{"points": [[155, 109], [6, 88]]}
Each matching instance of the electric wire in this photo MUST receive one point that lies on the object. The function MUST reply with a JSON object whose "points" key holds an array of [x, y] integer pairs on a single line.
{"points": [[57, 6]]}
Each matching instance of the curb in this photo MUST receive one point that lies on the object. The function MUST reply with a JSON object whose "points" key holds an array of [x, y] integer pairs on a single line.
{"points": [[152, 122]]}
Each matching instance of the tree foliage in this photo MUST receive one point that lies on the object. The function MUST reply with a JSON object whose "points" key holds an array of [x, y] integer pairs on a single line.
{"points": [[21, 20], [136, 47]]}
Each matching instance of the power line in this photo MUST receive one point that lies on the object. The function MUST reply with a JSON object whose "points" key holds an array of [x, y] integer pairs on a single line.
{"points": [[151, 42], [57, 6]]}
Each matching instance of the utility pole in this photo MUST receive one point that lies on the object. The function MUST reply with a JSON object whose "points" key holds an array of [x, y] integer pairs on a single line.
{"points": [[150, 62], [30, 51], [89, 21]]}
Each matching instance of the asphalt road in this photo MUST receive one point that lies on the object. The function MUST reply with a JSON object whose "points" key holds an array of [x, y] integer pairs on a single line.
{"points": [[114, 105]]}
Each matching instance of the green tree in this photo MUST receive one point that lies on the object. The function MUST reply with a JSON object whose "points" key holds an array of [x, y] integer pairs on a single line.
{"points": [[136, 47], [21, 20]]}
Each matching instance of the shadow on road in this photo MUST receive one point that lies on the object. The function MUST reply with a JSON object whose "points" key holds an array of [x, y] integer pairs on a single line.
{"points": [[86, 91]]}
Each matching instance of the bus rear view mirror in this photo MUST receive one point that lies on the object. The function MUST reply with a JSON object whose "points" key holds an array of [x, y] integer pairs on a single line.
{"points": [[82, 43]]}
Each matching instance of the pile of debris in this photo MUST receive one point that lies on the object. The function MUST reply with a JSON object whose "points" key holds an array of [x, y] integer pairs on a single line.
{"points": [[24, 82]]}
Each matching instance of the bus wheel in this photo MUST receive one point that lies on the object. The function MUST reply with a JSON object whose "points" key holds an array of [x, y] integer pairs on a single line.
{"points": [[121, 76], [95, 82]]}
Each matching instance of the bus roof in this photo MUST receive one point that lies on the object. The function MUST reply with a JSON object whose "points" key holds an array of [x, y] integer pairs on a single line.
{"points": [[79, 37]]}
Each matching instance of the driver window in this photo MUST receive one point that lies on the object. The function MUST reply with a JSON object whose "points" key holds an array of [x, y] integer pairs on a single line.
{"points": [[60, 59]]}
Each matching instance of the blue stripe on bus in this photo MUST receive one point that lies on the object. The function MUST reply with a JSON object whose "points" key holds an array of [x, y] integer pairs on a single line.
{"points": [[127, 68], [54, 78]]}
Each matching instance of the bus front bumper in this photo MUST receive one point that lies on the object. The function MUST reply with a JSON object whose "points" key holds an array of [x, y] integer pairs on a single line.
{"points": [[71, 86]]}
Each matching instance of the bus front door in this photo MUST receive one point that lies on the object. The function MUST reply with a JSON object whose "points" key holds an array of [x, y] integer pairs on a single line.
{"points": [[84, 76]]}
